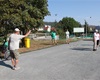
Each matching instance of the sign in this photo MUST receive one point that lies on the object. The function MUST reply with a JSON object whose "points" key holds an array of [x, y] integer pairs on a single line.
{"points": [[78, 30]]}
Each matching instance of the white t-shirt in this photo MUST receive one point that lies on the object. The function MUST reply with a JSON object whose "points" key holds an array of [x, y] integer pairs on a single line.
{"points": [[97, 36], [67, 34], [14, 41]]}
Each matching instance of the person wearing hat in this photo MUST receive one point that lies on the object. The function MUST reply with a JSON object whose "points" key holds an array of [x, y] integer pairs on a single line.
{"points": [[13, 43], [96, 39]]}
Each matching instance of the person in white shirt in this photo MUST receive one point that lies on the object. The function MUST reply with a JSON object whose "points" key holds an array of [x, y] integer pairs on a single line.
{"points": [[14, 40], [67, 37], [96, 39]]}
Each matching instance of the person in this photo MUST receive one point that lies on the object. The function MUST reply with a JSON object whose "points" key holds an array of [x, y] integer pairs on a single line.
{"points": [[6, 51], [67, 37], [96, 38], [5, 47], [13, 44], [53, 36]]}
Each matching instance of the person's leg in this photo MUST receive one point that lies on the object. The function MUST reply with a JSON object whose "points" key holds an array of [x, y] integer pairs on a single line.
{"points": [[13, 62], [68, 39], [97, 44], [52, 41], [12, 58], [55, 42], [67, 42], [94, 45], [16, 62], [16, 59]]}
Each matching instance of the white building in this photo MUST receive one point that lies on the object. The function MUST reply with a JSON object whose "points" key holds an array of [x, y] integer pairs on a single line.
{"points": [[47, 27]]}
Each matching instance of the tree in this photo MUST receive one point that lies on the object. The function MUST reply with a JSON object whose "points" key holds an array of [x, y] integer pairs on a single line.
{"points": [[68, 23], [25, 14]]}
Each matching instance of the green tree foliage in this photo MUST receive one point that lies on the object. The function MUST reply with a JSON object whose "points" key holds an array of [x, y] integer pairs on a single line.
{"points": [[25, 14], [68, 23]]}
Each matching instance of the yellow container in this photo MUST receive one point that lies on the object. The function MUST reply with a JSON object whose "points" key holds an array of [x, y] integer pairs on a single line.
{"points": [[27, 42]]}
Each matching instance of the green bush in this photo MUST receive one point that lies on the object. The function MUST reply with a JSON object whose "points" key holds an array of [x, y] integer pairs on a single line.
{"points": [[61, 33]]}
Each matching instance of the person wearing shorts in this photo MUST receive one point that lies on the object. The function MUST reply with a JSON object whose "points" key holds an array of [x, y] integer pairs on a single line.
{"points": [[53, 36], [14, 54], [13, 44], [96, 39]]}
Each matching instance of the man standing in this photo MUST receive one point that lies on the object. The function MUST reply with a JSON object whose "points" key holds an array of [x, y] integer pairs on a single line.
{"points": [[96, 39], [14, 40], [53, 36], [67, 37]]}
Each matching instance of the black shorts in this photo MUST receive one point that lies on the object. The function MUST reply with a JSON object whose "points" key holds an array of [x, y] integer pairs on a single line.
{"points": [[97, 42]]}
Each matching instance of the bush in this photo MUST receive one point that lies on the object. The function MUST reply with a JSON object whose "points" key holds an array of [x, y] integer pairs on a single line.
{"points": [[61, 33]]}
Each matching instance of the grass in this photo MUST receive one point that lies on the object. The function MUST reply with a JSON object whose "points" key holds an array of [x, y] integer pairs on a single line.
{"points": [[41, 44]]}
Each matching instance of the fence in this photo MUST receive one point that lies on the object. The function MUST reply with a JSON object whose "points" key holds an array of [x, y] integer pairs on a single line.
{"points": [[41, 36]]}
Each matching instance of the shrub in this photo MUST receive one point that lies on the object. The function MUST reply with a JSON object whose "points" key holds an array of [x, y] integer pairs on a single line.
{"points": [[61, 33]]}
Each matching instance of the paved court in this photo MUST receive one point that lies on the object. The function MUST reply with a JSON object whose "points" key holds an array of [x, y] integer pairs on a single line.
{"points": [[74, 61]]}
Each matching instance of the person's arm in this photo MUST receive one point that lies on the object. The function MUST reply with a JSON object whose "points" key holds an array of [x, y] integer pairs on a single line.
{"points": [[99, 36], [27, 33]]}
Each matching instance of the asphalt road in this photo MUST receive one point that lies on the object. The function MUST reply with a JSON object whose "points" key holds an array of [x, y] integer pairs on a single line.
{"points": [[74, 61]]}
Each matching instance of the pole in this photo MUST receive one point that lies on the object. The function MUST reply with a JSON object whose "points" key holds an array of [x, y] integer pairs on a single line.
{"points": [[86, 30]]}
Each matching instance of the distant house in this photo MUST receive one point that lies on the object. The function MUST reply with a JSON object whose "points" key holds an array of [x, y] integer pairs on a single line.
{"points": [[45, 28], [41, 29]]}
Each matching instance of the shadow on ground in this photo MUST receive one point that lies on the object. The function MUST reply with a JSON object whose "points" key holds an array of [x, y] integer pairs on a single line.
{"points": [[2, 63], [82, 49]]}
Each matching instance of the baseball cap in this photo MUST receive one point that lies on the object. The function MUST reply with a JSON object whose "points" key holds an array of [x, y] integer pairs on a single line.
{"points": [[96, 30], [16, 29]]}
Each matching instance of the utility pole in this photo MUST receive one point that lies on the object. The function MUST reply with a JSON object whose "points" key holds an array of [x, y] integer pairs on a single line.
{"points": [[86, 28], [55, 20]]}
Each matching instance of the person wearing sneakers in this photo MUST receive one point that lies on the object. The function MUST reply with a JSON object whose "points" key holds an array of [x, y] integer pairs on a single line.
{"points": [[96, 39], [13, 44]]}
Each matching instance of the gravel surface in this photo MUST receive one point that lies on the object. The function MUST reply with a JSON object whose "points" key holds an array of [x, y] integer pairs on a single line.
{"points": [[74, 61]]}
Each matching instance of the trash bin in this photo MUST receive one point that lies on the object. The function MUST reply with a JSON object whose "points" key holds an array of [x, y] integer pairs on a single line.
{"points": [[27, 42]]}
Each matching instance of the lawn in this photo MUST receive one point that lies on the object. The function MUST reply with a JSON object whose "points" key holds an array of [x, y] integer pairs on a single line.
{"points": [[36, 44], [40, 44]]}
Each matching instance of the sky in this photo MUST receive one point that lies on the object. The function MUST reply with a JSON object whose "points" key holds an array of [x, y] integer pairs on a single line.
{"points": [[80, 10]]}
